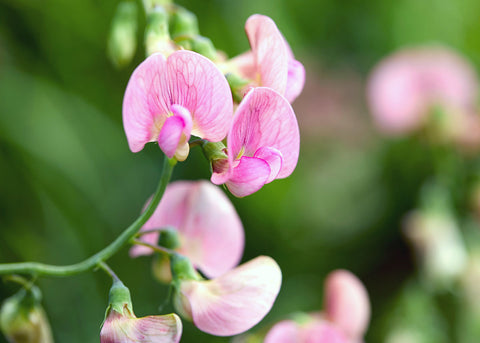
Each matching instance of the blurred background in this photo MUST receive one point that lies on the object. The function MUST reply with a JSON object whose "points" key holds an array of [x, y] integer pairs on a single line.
{"points": [[69, 184]]}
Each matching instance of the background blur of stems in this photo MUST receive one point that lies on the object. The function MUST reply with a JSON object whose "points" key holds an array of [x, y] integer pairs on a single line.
{"points": [[69, 184]]}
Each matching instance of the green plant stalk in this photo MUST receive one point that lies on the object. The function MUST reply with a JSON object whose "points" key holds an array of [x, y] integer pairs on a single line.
{"points": [[41, 269]]}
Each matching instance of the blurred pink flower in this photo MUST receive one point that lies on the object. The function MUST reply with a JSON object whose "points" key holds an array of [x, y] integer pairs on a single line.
{"points": [[263, 143], [344, 320], [271, 62], [210, 231], [405, 86], [169, 99], [234, 302]]}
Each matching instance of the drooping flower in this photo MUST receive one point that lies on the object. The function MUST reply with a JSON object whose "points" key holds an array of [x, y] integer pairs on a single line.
{"points": [[169, 99], [209, 229], [271, 62], [231, 303], [344, 320], [405, 87], [263, 143], [122, 326]]}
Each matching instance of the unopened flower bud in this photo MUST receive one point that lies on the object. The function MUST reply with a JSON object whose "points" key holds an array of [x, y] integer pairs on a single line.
{"points": [[237, 86], [215, 153], [183, 22], [169, 239], [122, 42], [23, 320], [121, 324], [157, 37]]}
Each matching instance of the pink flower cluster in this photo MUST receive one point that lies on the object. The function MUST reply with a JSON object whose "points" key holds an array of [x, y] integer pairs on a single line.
{"points": [[344, 320], [168, 100], [407, 86]]}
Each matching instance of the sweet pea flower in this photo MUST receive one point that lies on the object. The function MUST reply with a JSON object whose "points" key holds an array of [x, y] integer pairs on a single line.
{"points": [[209, 229], [344, 320], [406, 86], [121, 325], [271, 62], [231, 303], [169, 99], [263, 143]]}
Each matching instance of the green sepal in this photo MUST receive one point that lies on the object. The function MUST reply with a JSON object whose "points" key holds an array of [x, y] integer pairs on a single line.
{"points": [[169, 238], [118, 298], [182, 269]]}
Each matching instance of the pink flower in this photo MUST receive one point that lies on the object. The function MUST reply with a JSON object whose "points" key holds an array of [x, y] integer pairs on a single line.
{"points": [[122, 326], [234, 302], [167, 100], [263, 143], [210, 231], [347, 304], [405, 86], [271, 62], [344, 320]]}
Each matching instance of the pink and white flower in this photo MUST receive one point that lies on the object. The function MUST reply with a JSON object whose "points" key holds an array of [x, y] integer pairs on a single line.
{"points": [[407, 85], [233, 302], [262, 145], [344, 320], [271, 62], [169, 99], [210, 231]]}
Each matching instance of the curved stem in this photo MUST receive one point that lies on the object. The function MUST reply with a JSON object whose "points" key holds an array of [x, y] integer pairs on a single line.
{"points": [[35, 268], [108, 270], [155, 248]]}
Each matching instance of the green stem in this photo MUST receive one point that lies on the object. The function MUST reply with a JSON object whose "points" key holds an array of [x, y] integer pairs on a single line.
{"points": [[108, 270], [155, 248], [35, 268]]}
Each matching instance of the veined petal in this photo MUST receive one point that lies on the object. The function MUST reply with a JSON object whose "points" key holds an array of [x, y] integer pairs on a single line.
{"points": [[151, 329], [295, 80], [347, 303], [195, 83], [210, 230], [269, 50], [144, 106], [274, 159], [286, 331], [236, 301], [170, 135], [264, 118], [248, 176]]}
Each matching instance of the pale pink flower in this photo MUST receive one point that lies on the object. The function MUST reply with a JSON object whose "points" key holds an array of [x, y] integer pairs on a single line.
{"points": [[126, 328], [315, 331], [407, 85], [234, 302], [344, 320], [210, 231], [271, 62], [347, 304], [169, 99], [122, 326], [262, 145]]}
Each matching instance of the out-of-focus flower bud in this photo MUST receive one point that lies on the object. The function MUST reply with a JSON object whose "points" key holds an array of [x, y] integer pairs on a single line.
{"points": [[121, 325], [122, 42], [347, 304], [23, 320], [157, 37], [231, 303], [438, 246], [183, 23], [237, 86]]}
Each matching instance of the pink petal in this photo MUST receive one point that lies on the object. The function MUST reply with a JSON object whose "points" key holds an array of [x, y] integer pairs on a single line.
{"points": [[198, 85], [323, 332], [286, 331], [143, 104], [170, 135], [265, 119], [269, 50], [248, 176], [236, 301], [295, 80], [347, 303], [151, 329], [405, 85], [210, 230], [274, 159], [183, 113]]}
